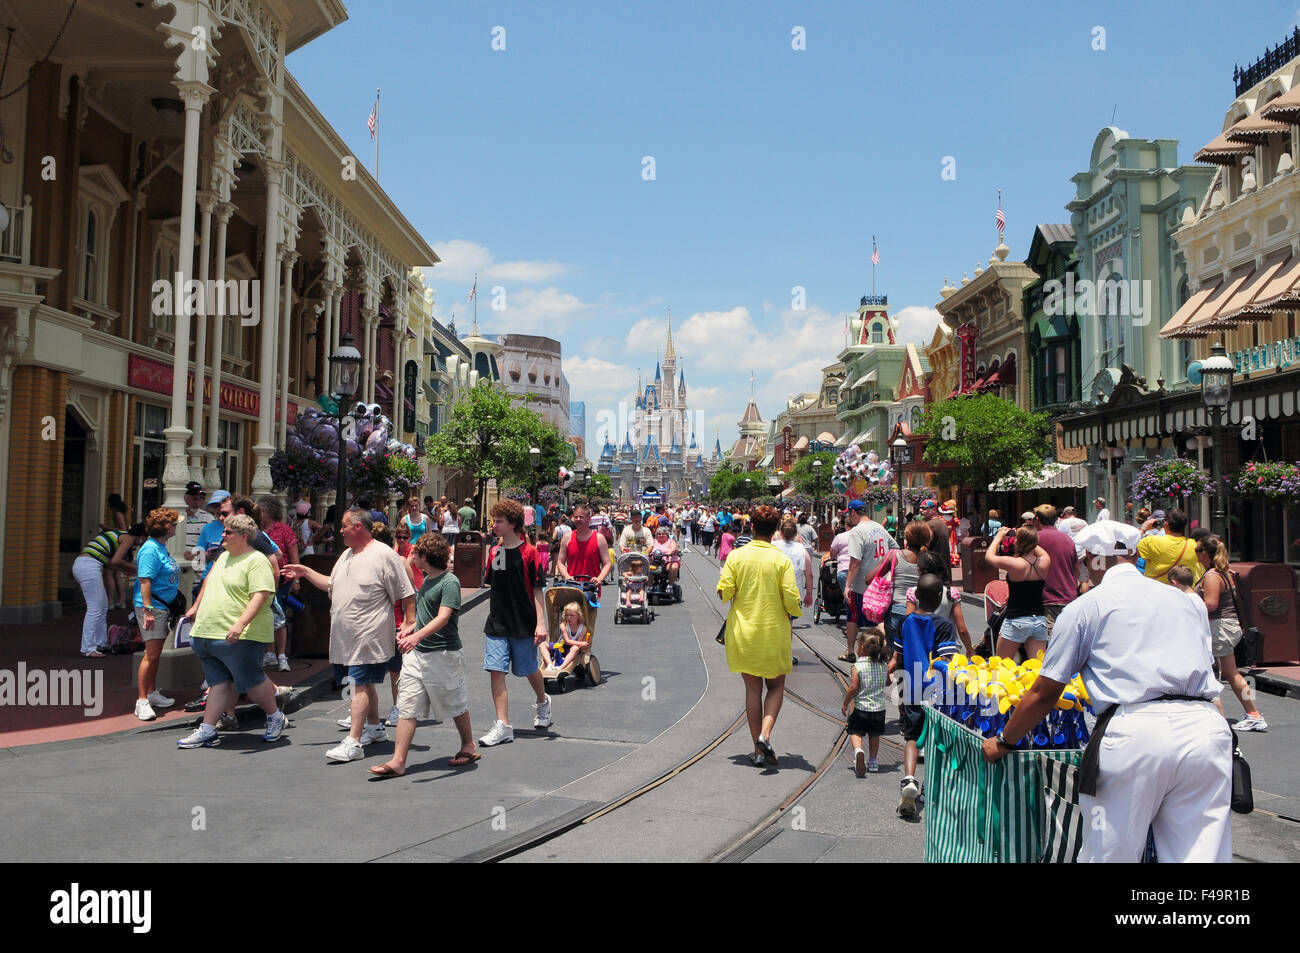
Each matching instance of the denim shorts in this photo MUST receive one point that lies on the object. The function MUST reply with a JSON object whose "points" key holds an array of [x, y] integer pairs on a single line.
{"points": [[894, 624], [372, 673], [394, 664], [240, 662], [1024, 627], [277, 615], [503, 653]]}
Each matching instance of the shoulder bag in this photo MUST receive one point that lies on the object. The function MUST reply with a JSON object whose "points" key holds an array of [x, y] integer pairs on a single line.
{"points": [[880, 593], [1247, 650]]}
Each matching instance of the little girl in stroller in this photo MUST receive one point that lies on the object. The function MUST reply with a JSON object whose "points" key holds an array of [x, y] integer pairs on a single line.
{"points": [[634, 580], [573, 637]]}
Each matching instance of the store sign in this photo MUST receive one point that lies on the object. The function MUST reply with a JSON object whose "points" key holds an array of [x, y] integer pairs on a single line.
{"points": [[967, 334], [1277, 354], [147, 374], [411, 380]]}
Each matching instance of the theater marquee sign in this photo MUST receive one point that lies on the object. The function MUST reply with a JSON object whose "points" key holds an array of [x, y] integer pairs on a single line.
{"points": [[147, 374]]}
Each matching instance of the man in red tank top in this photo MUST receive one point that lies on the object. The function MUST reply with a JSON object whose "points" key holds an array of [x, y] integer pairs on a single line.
{"points": [[585, 552]]}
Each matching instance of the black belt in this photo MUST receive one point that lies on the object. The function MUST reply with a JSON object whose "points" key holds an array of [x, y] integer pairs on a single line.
{"points": [[1089, 769]]}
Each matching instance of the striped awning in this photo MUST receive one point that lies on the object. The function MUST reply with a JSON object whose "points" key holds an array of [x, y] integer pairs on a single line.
{"points": [[1285, 108], [843, 441], [1223, 151], [867, 436], [1257, 129], [1054, 476]]}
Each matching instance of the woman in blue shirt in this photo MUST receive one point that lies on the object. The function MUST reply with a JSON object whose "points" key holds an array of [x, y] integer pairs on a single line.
{"points": [[157, 585]]}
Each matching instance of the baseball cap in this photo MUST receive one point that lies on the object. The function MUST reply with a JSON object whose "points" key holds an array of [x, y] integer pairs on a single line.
{"points": [[304, 508], [193, 488], [218, 496], [1026, 516], [1158, 515], [929, 504], [1100, 499], [857, 505]]}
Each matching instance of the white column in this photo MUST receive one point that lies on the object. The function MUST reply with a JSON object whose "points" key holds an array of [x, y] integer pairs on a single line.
{"points": [[370, 320], [212, 474], [176, 473], [264, 447], [206, 202], [286, 305]]}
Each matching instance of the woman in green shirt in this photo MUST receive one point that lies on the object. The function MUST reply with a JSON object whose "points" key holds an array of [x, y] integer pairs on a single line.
{"points": [[232, 628]]}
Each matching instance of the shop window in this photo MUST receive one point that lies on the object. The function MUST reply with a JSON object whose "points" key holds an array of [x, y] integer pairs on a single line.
{"points": [[99, 196], [228, 436], [149, 457]]}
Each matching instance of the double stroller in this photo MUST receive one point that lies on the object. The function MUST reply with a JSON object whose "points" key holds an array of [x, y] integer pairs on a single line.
{"points": [[830, 597], [559, 667], [633, 597]]}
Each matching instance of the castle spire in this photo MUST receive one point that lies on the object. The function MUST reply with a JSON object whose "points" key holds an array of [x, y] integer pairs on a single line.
{"points": [[670, 355]]}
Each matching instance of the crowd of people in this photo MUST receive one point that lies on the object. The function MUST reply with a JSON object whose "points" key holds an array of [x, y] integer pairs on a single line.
{"points": [[394, 609]]}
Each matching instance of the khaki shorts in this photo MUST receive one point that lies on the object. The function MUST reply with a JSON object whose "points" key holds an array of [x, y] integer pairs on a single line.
{"points": [[159, 630], [1224, 636], [432, 682], [1051, 612]]}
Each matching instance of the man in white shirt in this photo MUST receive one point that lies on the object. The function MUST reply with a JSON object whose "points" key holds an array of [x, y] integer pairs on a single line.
{"points": [[869, 543], [1102, 512], [1143, 649]]}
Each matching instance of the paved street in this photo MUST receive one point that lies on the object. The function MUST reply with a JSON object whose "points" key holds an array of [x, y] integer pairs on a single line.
{"points": [[666, 694]]}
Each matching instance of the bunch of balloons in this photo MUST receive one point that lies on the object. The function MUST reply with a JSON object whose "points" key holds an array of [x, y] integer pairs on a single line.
{"points": [[368, 436], [982, 695], [854, 471]]}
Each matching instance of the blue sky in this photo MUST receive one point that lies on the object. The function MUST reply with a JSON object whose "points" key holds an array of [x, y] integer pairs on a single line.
{"points": [[773, 166]]}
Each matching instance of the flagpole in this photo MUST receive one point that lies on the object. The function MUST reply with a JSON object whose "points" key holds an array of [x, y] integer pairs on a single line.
{"points": [[376, 134], [873, 266]]}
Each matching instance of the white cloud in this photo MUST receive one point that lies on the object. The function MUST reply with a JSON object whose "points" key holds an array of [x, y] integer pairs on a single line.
{"points": [[532, 311], [462, 260], [916, 324]]}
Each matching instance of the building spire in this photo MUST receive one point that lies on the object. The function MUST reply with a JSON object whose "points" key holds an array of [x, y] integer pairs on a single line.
{"points": [[670, 355]]}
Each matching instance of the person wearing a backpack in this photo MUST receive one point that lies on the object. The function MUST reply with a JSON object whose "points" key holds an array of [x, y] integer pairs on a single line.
{"points": [[1221, 591], [923, 635]]}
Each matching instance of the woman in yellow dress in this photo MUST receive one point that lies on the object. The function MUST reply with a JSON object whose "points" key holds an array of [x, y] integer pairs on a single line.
{"points": [[758, 580]]}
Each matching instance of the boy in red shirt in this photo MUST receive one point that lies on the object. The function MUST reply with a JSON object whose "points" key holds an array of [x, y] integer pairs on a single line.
{"points": [[516, 622]]}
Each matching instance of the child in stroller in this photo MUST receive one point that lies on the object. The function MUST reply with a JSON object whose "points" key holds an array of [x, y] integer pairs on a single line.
{"points": [[573, 637], [632, 581]]}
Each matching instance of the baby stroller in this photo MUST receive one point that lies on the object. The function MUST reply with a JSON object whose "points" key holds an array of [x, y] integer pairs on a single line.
{"points": [[662, 588], [830, 597], [641, 612], [583, 668], [995, 607]]}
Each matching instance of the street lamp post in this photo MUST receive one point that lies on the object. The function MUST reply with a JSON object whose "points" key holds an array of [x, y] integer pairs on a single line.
{"points": [[345, 379], [817, 489], [1216, 392], [899, 455]]}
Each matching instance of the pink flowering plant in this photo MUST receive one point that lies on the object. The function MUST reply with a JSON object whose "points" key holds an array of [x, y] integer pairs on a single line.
{"points": [[1278, 482], [1161, 480]]}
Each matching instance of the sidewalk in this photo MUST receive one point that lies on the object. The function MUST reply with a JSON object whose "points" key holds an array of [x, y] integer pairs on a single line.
{"points": [[51, 646]]}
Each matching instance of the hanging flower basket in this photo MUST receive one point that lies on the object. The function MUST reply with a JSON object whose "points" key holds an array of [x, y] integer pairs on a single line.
{"points": [[1276, 482], [297, 470], [518, 494], [1162, 480]]}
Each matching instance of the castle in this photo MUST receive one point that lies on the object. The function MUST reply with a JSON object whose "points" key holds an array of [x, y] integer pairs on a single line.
{"points": [[659, 447]]}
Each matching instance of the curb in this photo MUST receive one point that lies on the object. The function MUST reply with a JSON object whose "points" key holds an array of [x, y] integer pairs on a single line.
{"points": [[1276, 684]]}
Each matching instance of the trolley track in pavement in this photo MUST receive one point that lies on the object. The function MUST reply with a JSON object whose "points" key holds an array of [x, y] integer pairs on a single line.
{"points": [[733, 851]]}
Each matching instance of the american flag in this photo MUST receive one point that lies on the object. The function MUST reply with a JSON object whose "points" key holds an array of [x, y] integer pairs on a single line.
{"points": [[875, 255], [374, 118], [473, 291], [1001, 221]]}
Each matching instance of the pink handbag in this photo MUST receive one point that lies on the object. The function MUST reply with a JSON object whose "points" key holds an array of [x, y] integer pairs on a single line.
{"points": [[880, 594]]}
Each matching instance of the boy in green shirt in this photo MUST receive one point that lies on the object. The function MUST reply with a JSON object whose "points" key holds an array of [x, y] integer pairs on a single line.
{"points": [[433, 663]]}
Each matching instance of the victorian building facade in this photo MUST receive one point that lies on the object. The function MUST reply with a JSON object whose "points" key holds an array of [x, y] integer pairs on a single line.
{"points": [[154, 148]]}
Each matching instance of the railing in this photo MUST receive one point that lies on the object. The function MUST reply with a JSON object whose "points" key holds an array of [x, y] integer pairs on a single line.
{"points": [[16, 239], [881, 300], [1272, 61]]}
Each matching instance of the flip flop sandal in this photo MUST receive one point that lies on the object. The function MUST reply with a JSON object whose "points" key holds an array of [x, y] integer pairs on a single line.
{"points": [[460, 759], [385, 771], [848, 657]]}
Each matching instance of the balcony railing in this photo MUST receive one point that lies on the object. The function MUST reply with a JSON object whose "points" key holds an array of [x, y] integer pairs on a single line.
{"points": [[1272, 61], [16, 239]]}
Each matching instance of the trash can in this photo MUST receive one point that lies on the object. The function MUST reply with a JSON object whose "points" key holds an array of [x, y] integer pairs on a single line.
{"points": [[469, 560], [310, 628], [975, 572], [1270, 591]]}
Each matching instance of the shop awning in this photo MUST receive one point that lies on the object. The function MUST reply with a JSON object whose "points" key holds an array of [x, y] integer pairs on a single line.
{"points": [[868, 377], [843, 441], [1285, 108], [1281, 291], [1257, 129], [788, 492], [867, 436], [1238, 307], [801, 443], [1006, 375], [1054, 476], [1186, 316], [826, 437], [1223, 151], [1207, 317]]}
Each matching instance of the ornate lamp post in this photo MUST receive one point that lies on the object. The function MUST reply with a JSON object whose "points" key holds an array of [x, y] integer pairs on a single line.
{"points": [[345, 381], [817, 489], [900, 453], [1216, 392]]}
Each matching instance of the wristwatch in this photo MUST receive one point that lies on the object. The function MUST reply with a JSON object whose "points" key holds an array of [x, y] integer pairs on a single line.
{"points": [[1003, 743]]}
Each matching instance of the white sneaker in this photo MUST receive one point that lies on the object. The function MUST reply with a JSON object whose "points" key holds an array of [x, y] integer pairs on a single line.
{"points": [[268, 660], [283, 663], [373, 733], [860, 763], [200, 739], [1252, 723], [349, 750], [500, 734], [911, 790], [345, 722], [392, 717], [159, 700], [543, 717], [144, 711]]}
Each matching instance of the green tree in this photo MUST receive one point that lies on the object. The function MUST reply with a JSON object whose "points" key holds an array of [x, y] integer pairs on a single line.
{"points": [[985, 438], [815, 481], [486, 435]]}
